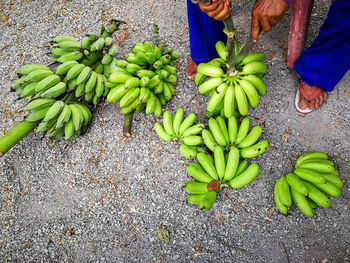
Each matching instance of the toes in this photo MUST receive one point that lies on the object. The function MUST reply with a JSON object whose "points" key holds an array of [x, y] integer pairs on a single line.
{"points": [[312, 104], [303, 103]]}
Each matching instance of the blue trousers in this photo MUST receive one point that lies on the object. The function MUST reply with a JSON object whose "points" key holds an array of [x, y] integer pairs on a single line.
{"points": [[323, 64], [204, 33]]}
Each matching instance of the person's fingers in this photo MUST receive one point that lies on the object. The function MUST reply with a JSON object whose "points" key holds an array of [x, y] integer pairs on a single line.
{"points": [[217, 10], [254, 31], [208, 8], [265, 25], [273, 21], [223, 14]]}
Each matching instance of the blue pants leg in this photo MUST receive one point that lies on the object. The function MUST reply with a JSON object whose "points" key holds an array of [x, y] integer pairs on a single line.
{"points": [[204, 33], [327, 60]]}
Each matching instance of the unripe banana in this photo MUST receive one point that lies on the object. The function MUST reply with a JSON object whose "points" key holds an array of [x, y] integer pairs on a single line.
{"points": [[316, 195], [333, 179], [254, 150], [116, 93], [296, 184], [329, 189], [221, 49], [38, 75], [222, 124], [251, 138], [209, 85], [246, 177], [65, 67], [162, 133], [37, 115], [194, 130], [257, 82], [64, 116], [195, 199], [91, 83], [196, 187], [84, 75], [208, 165], [69, 129], [131, 107], [166, 91], [54, 110], [77, 116], [190, 119], [217, 97], [254, 67], [232, 164], [312, 203], [177, 120], [208, 201], [119, 77], [144, 94], [199, 78], [158, 108], [328, 162], [219, 160], [208, 139], [258, 56], [75, 71], [241, 100], [197, 172], [28, 90], [284, 192], [217, 132], [151, 103], [243, 130], [129, 97], [210, 70], [241, 167], [192, 140], [312, 155], [39, 104], [302, 203], [85, 43], [229, 101], [281, 207], [189, 152], [318, 167], [26, 69], [167, 123], [250, 91], [310, 175], [145, 73], [75, 55], [55, 91], [232, 129]]}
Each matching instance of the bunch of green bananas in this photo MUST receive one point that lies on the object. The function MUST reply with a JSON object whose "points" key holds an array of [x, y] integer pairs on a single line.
{"points": [[59, 117], [144, 79], [230, 134], [38, 81], [95, 51], [214, 172], [84, 82], [314, 175], [232, 90], [177, 128]]}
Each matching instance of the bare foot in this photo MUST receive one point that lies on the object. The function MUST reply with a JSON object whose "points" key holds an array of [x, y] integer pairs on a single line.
{"points": [[191, 69], [315, 102]]}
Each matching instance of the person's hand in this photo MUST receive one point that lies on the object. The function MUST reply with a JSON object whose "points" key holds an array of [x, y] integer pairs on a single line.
{"points": [[218, 9], [266, 14]]}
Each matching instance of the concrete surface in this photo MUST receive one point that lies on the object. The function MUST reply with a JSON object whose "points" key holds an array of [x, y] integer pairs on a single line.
{"points": [[103, 198]]}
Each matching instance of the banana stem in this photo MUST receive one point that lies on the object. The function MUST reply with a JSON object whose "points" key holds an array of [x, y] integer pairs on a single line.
{"points": [[17, 133], [127, 124], [231, 42]]}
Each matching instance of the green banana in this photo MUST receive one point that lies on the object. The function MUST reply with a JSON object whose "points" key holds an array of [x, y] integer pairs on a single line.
{"points": [[222, 124], [54, 110], [55, 91], [242, 130], [189, 152], [246, 177], [47, 83], [320, 167], [232, 129], [39, 104], [297, 184], [77, 116], [302, 203], [177, 120], [119, 77], [75, 71], [229, 101], [316, 195], [190, 119], [257, 56], [168, 123], [329, 189], [241, 100], [75, 55], [255, 150], [216, 131], [250, 91], [333, 179], [192, 140], [284, 192], [91, 82], [38, 75], [37, 115], [197, 172], [251, 138], [312, 155], [209, 85], [116, 93], [69, 129], [221, 49], [255, 67], [207, 164], [199, 78], [232, 164], [162, 133], [63, 117], [196, 187], [26, 69], [310, 175], [217, 97], [208, 201], [210, 70], [65, 67], [129, 97], [257, 82], [281, 207], [84, 75], [219, 160]]}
